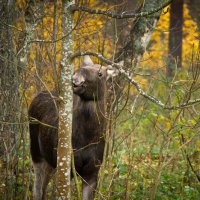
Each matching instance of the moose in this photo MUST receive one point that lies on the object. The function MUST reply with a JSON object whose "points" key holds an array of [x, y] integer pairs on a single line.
{"points": [[88, 125]]}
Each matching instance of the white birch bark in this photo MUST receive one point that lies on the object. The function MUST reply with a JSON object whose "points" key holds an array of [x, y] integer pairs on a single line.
{"points": [[65, 108]]}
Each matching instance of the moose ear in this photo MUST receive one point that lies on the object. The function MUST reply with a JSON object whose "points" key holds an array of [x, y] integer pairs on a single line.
{"points": [[87, 61], [113, 71]]}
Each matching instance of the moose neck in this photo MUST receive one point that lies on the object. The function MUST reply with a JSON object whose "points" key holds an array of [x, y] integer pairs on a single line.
{"points": [[93, 107]]}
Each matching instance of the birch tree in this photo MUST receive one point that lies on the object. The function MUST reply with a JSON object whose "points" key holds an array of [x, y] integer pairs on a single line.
{"points": [[65, 107]]}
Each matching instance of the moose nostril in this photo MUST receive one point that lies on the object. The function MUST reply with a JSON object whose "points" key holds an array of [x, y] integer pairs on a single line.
{"points": [[78, 79], [77, 82], [81, 83]]}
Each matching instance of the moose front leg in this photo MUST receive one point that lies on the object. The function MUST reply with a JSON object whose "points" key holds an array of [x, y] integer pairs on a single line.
{"points": [[89, 187]]}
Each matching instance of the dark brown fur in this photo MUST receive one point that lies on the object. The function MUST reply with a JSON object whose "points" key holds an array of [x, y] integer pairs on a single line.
{"points": [[88, 127]]}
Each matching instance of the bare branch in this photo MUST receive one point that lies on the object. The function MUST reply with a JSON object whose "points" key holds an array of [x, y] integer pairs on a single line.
{"points": [[10, 26], [121, 15], [136, 84]]}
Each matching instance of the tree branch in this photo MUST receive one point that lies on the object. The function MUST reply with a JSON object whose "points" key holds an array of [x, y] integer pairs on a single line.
{"points": [[136, 84], [121, 15]]}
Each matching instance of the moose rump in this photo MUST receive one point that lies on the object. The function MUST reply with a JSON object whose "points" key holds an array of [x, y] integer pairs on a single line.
{"points": [[89, 88]]}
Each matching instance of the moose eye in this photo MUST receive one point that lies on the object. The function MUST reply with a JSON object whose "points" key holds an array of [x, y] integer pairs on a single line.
{"points": [[100, 74]]}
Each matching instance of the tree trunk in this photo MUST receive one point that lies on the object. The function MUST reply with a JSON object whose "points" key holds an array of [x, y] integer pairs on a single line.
{"points": [[194, 7], [33, 15], [123, 26], [9, 100], [140, 35], [175, 36], [65, 108]]}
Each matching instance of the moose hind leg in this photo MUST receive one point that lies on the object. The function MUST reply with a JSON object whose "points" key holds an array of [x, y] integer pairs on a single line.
{"points": [[43, 173], [37, 190], [89, 186]]}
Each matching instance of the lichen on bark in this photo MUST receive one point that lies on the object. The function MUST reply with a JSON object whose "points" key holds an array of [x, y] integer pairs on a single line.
{"points": [[140, 35]]}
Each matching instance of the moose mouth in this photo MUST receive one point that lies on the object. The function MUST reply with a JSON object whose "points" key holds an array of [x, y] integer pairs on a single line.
{"points": [[78, 89], [78, 86], [75, 86]]}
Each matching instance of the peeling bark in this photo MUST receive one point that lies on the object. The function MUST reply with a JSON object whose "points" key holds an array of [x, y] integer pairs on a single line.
{"points": [[65, 108]]}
